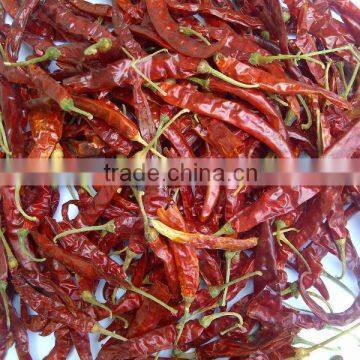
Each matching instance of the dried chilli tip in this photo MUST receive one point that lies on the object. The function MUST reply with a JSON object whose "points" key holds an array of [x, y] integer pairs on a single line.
{"points": [[216, 290], [109, 227], [51, 53], [229, 255], [341, 245], [3, 286], [98, 329], [188, 31], [280, 226], [259, 59], [136, 290], [309, 122], [22, 235], [205, 68], [3, 140], [12, 262], [88, 297], [338, 282], [19, 206], [304, 352], [165, 123], [207, 320], [67, 104], [103, 45]]}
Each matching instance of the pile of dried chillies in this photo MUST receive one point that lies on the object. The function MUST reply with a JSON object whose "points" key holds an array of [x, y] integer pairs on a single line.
{"points": [[229, 82]]}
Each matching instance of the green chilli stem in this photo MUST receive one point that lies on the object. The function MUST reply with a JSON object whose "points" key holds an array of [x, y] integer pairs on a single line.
{"points": [[12, 262], [202, 82], [142, 154], [258, 59], [352, 80], [265, 35], [3, 140], [317, 296], [126, 322], [299, 340], [3, 286], [327, 70], [109, 227], [309, 122], [89, 190], [205, 68], [216, 290], [338, 282], [138, 196], [22, 235], [88, 297], [136, 290], [141, 141], [278, 99], [67, 104], [103, 45], [290, 117], [340, 66], [113, 296], [150, 83], [319, 141], [19, 206], [291, 289], [51, 53], [229, 255], [341, 245], [2, 52], [186, 317], [178, 354], [305, 352], [286, 16], [130, 255], [98, 329], [227, 229], [280, 225], [333, 328], [188, 31], [145, 58], [118, 252], [207, 320]]}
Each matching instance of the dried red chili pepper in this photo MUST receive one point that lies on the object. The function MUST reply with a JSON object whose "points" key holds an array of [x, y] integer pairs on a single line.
{"points": [[187, 97], [169, 30], [101, 10]]}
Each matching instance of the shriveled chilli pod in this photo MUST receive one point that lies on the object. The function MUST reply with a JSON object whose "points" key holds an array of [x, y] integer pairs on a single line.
{"points": [[204, 241], [166, 261]]}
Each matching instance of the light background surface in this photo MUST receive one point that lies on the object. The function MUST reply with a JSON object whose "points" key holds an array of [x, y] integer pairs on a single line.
{"points": [[347, 346]]}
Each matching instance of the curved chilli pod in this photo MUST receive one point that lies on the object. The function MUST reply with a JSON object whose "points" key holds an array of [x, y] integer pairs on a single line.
{"points": [[204, 241], [228, 111], [337, 319], [169, 30]]}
